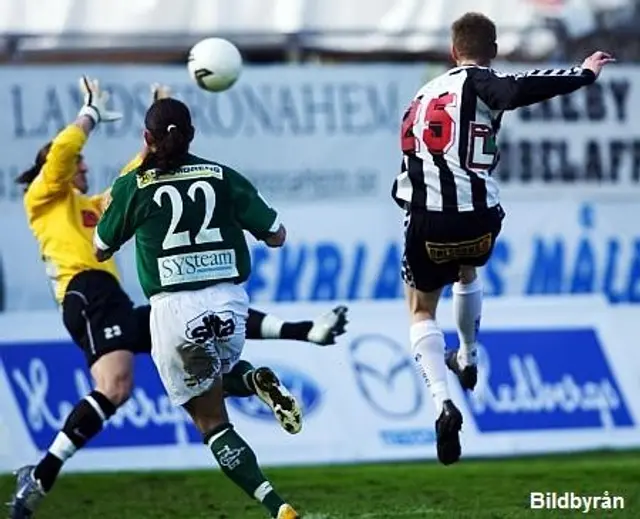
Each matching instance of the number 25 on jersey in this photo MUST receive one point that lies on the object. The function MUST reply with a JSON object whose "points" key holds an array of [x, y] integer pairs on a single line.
{"points": [[438, 134]]}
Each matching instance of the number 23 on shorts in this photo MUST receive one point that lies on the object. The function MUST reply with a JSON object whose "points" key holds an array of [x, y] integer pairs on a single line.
{"points": [[112, 331]]}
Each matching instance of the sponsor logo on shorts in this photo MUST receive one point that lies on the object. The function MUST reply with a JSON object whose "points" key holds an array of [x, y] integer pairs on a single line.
{"points": [[208, 326], [197, 266], [446, 252]]}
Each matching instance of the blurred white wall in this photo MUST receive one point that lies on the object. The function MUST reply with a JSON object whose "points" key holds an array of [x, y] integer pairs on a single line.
{"points": [[356, 25]]}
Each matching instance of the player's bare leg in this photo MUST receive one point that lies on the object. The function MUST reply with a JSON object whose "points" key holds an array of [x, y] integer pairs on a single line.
{"points": [[428, 346], [322, 331], [467, 309], [235, 457], [244, 380], [113, 376]]}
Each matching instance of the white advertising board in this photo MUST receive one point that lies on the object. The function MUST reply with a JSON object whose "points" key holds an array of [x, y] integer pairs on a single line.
{"points": [[321, 144], [553, 378]]}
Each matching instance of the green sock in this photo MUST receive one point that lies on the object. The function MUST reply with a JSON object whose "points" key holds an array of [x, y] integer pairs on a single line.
{"points": [[238, 461], [238, 382]]}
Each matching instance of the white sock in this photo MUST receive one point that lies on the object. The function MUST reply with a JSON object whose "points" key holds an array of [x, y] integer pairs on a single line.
{"points": [[271, 327], [62, 447], [427, 345], [467, 310]]}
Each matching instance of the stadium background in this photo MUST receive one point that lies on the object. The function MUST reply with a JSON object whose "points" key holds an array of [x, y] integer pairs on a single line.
{"points": [[314, 122]]}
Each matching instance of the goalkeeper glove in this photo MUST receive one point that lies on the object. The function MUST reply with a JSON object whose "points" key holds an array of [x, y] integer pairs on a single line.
{"points": [[159, 91], [95, 102]]}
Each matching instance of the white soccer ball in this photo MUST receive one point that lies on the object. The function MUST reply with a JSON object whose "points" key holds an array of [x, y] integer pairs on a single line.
{"points": [[215, 64]]}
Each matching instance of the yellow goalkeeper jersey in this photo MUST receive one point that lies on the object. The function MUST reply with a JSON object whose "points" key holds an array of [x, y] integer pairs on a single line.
{"points": [[61, 218]]}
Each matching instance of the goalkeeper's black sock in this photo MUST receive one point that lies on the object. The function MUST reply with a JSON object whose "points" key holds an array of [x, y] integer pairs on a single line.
{"points": [[84, 422], [266, 326], [296, 331], [239, 463], [239, 381]]}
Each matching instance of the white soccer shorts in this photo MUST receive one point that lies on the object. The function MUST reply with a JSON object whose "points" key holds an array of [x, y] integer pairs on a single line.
{"points": [[196, 337]]}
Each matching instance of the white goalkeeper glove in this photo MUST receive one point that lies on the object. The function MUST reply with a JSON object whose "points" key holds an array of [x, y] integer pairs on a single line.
{"points": [[95, 102], [159, 91]]}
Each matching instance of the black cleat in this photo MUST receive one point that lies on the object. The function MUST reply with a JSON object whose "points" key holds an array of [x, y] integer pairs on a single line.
{"points": [[283, 404], [468, 377], [448, 427]]}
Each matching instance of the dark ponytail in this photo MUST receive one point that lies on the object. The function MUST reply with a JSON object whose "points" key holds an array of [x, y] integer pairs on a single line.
{"points": [[26, 177], [171, 149], [169, 130]]}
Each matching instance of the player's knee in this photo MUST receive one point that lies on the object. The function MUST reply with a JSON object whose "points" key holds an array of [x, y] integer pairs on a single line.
{"points": [[467, 275], [117, 388], [422, 305]]}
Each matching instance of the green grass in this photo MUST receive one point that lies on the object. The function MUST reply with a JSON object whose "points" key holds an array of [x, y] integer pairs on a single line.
{"points": [[497, 489]]}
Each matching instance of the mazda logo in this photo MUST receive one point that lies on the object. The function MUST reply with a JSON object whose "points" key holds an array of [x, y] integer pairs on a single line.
{"points": [[386, 376]]}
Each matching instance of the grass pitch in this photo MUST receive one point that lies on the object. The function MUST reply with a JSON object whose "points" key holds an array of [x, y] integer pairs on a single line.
{"points": [[496, 489]]}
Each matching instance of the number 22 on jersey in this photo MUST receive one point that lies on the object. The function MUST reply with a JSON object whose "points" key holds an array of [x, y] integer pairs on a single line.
{"points": [[175, 239], [439, 127]]}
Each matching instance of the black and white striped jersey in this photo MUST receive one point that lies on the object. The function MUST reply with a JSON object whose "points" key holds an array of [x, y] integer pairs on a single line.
{"points": [[449, 133]]}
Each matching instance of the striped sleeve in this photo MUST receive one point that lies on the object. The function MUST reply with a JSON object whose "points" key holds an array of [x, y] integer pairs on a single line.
{"points": [[507, 92]]}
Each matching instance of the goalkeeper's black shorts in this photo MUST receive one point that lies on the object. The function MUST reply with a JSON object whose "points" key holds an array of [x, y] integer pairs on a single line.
{"points": [[101, 318]]}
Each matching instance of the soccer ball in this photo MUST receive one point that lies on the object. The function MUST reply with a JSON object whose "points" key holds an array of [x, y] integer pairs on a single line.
{"points": [[214, 64]]}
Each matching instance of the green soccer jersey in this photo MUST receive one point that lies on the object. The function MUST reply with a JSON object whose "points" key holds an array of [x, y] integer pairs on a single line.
{"points": [[188, 224]]}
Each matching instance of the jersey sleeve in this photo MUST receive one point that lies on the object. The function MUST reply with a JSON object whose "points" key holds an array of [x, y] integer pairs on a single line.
{"points": [[251, 210], [507, 92], [60, 167], [118, 223]]}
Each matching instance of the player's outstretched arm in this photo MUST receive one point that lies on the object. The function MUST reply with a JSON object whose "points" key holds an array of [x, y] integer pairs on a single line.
{"points": [[322, 331], [597, 61], [60, 166], [507, 92]]}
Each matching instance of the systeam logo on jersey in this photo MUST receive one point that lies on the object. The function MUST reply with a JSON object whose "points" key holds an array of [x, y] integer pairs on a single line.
{"points": [[388, 380], [306, 391], [545, 380], [48, 379]]}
